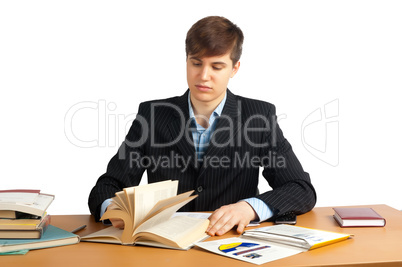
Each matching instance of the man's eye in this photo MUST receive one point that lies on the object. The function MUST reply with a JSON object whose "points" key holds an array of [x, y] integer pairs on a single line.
{"points": [[196, 64], [216, 68]]}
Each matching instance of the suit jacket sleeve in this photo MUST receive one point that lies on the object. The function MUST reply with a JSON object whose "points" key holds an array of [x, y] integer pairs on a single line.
{"points": [[123, 170], [292, 188]]}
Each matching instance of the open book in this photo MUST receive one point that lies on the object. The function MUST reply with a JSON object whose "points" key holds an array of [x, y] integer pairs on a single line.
{"points": [[271, 243], [147, 214]]}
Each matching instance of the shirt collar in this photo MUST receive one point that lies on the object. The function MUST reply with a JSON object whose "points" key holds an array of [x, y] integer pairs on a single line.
{"points": [[217, 112]]}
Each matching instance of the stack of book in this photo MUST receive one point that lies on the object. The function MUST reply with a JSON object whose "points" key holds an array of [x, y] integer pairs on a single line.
{"points": [[23, 214]]}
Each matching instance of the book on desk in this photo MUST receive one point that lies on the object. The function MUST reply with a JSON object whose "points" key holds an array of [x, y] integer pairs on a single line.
{"points": [[24, 228], [15, 202], [147, 212], [23, 213], [358, 217], [53, 237]]}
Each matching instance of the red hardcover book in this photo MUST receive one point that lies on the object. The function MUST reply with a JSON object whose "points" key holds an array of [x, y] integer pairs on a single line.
{"points": [[358, 217], [21, 191]]}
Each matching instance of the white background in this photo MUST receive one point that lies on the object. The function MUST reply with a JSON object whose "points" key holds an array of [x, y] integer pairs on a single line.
{"points": [[72, 74]]}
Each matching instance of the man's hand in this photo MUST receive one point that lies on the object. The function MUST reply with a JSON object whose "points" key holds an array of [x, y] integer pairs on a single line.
{"points": [[226, 217], [117, 223]]}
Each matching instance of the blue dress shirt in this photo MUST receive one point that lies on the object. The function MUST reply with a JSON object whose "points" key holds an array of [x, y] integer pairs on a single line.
{"points": [[201, 138]]}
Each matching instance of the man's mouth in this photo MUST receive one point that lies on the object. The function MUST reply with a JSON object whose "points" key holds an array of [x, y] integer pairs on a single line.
{"points": [[203, 88]]}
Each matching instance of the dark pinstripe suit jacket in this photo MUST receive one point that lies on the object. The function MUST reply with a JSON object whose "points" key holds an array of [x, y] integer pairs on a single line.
{"points": [[246, 138]]}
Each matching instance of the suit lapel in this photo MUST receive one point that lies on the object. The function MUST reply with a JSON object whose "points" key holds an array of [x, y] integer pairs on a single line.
{"points": [[179, 128], [227, 128]]}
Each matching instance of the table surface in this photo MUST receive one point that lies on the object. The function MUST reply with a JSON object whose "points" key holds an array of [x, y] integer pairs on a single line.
{"points": [[369, 246]]}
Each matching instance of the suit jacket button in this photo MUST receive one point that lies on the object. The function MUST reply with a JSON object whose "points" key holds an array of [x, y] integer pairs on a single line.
{"points": [[199, 189]]}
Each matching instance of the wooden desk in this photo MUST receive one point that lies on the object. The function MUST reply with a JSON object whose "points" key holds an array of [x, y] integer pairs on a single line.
{"points": [[370, 246]]}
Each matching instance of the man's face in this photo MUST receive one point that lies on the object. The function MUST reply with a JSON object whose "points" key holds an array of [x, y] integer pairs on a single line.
{"points": [[208, 78]]}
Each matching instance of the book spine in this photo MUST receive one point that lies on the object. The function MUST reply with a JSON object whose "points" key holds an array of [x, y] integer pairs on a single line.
{"points": [[43, 225], [318, 245]]}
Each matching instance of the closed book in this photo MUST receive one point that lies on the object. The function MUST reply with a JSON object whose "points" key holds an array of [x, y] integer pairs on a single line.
{"points": [[53, 237], [7, 214], [12, 214], [13, 202], [358, 217], [23, 228]]}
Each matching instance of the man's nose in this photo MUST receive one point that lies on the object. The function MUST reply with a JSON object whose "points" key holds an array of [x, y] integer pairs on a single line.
{"points": [[205, 76]]}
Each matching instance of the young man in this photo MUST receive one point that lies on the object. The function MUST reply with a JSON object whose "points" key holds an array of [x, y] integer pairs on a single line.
{"points": [[215, 142]]}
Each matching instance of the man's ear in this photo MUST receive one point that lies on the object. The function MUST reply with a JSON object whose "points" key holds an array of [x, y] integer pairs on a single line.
{"points": [[235, 69]]}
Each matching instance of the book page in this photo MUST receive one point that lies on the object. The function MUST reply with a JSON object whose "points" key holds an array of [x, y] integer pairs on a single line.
{"points": [[167, 202], [122, 201], [107, 235], [199, 215], [39, 205], [282, 239], [43, 201], [116, 201], [182, 230], [205, 215], [163, 215], [146, 196], [126, 236], [129, 200], [18, 198], [152, 243]]}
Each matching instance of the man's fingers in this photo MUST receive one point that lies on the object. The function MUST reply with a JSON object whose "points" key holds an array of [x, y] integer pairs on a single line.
{"points": [[117, 223], [226, 217], [240, 228], [217, 223], [225, 228], [216, 217]]}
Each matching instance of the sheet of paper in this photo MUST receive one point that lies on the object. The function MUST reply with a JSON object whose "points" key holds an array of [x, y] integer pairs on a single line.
{"points": [[249, 250]]}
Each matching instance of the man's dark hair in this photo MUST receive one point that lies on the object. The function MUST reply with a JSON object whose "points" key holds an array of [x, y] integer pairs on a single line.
{"points": [[214, 36]]}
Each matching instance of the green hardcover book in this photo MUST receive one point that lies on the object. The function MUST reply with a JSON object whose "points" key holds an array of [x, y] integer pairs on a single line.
{"points": [[53, 237]]}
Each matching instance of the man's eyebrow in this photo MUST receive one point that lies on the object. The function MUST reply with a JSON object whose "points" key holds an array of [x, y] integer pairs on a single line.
{"points": [[214, 63], [196, 58], [219, 63]]}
